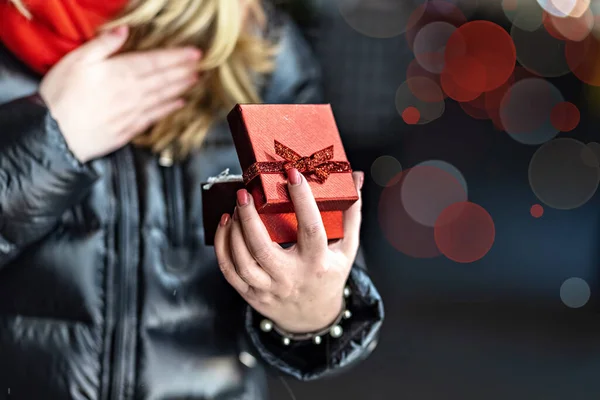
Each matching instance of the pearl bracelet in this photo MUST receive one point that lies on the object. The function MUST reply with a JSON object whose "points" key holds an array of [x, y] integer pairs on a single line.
{"points": [[335, 330]]}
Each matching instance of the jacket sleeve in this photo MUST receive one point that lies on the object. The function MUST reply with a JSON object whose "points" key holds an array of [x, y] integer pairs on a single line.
{"points": [[297, 80], [308, 361], [39, 177]]}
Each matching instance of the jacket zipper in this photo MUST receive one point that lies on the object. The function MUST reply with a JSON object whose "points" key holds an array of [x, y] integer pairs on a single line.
{"points": [[125, 322], [172, 176]]}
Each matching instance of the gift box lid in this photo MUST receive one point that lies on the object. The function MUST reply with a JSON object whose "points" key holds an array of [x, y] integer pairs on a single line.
{"points": [[269, 138]]}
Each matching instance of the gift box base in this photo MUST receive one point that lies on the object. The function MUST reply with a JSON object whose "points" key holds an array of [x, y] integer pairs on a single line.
{"points": [[220, 199]]}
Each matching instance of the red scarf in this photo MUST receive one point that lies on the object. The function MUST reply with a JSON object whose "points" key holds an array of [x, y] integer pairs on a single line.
{"points": [[57, 28]]}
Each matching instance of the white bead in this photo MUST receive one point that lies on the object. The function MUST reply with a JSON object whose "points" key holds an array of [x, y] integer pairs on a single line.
{"points": [[317, 339], [247, 359], [347, 292], [266, 325], [286, 341], [336, 331], [347, 314]]}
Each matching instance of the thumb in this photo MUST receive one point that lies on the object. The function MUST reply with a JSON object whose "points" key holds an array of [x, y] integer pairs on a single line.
{"points": [[352, 220], [105, 45]]}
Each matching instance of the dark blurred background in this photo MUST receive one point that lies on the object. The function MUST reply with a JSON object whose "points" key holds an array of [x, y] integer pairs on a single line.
{"points": [[494, 329]]}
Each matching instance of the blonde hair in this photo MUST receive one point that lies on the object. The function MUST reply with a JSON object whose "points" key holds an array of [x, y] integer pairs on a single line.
{"points": [[235, 56]]}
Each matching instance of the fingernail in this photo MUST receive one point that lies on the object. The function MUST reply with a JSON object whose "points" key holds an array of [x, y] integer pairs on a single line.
{"points": [[235, 214], [224, 219], [361, 180], [294, 176], [242, 197]]}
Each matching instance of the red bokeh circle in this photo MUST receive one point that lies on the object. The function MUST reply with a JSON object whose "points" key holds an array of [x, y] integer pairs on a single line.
{"points": [[565, 116], [490, 45], [471, 108], [584, 59], [464, 232], [455, 91], [411, 115], [571, 28], [536, 211], [550, 28]]}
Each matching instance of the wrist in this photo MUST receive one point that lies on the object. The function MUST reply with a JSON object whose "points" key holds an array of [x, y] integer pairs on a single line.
{"points": [[314, 331], [313, 318]]}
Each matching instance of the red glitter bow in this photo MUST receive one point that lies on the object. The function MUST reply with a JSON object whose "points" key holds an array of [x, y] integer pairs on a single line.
{"points": [[318, 164]]}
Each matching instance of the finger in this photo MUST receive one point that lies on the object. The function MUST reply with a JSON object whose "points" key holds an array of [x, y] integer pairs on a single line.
{"points": [[103, 46], [167, 77], [147, 63], [224, 257], [311, 232], [166, 92], [245, 264], [150, 116], [352, 220], [262, 248]]}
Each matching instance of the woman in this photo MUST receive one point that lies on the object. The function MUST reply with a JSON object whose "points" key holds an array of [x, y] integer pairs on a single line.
{"points": [[106, 288]]}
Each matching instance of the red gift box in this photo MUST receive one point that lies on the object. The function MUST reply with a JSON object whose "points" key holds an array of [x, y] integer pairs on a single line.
{"points": [[272, 138], [219, 198]]}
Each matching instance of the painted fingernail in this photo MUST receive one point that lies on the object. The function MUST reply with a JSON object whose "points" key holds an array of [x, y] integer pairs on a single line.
{"points": [[235, 214], [224, 219], [294, 176], [242, 197]]}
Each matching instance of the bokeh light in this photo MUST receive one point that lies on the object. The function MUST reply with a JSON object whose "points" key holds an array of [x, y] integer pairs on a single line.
{"points": [[415, 110], [565, 116], [559, 175], [575, 292], [472, 108], [484, 50], [449, 168], [399, 228], [528, 19], [384, 169], [536, 211], [411, 115], [427, 190], [584, 59], [430, 44], [595, 148], [464, 232], [422, 89], [525, 111], [377, 18], [456, 92], [429, 12], [571, 28], [540, 52], [526, 15], [565, 8]]}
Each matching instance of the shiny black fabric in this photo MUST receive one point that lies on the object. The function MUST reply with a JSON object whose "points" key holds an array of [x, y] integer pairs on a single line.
{"points": [[106, 288]]}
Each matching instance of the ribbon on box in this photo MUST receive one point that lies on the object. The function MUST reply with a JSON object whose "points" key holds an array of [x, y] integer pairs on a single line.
{"points": [[319, 164]]}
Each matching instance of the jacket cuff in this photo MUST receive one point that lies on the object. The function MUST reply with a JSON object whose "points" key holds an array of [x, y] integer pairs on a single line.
{"points": [[308, 361]]}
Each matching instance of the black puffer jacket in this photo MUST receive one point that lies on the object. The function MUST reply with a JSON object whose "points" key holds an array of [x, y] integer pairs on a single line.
{"points": [[106, 288]]}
